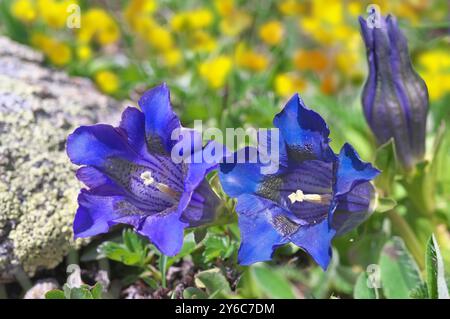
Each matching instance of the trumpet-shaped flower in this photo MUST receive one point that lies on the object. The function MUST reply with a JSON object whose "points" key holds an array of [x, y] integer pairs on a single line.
{"points": [[132, 178], [314, 196]]}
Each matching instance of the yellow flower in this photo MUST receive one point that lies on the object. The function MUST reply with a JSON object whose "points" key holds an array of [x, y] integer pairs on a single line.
{"points": [[107, 81], [160, 38], [200, 18], [235, 25], [55, 13], [191, 20], [271, 32], [24, 10], [435, 67], [250, 59], [215, 71], [98, 25], [234, 21], [84, 52], [56, 51], [291, 7], [224, 7], [172, 57], [137, 10], [203, 42], [312, 60], [286, 84]]}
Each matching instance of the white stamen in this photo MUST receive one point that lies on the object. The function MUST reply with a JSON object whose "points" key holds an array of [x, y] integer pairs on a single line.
{"points": [[299, 196], [147, 178]]}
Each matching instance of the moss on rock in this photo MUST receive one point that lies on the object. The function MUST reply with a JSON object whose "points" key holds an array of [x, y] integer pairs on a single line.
{"points": [[39, 107]]}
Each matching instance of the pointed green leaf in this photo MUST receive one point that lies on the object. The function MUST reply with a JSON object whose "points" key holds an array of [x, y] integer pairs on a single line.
{"points": [[437, 286]]}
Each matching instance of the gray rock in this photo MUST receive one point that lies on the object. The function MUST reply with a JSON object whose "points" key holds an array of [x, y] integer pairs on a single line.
{"points": [[39, 107]]}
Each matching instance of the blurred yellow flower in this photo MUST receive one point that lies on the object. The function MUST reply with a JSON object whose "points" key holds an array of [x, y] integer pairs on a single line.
{"points": [[55, 13], [435, 67], [172, 57], [249, 59], [98, 25], [234, 21], [286, 84], [202, 41], [225, 7], [291, 7], [107, 81], [137, 10], [216, 70], [24, 10], [160, 38], [271, 32], [313, 60], [84, 52], [194, 19], [56, 51]]}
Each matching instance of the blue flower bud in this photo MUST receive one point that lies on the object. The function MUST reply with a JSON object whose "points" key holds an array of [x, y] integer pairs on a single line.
{"points": [[395, 97]]}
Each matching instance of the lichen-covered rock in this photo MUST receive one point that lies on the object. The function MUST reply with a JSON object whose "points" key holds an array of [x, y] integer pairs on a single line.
{"points": [[39, 107]]}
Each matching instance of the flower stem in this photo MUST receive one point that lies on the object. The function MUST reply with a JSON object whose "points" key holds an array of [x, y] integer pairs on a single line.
{"points": [[163, 269], [402, 228]]}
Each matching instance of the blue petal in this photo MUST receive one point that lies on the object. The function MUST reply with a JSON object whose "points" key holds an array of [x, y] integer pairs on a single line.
{"points": [[259, 238], [133, 123], [202, 206], [352, 170], [316, 241], [92, 145], [353, 208], [304, 131], [241, 172], [96, 214], [160, 120], [165, 231]]}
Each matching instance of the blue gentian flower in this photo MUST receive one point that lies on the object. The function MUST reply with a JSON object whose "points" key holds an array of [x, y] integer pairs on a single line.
{"points": [[132, 178], [395, 97], [314, 196]]}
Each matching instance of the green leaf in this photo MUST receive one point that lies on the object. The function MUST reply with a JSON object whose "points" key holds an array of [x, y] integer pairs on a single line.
{"points": [[217, 246], [80, 293], [420, 292], [362, 289], [272, 283], [97, 291], [55, 294], [194, 293], [399, 272], [437, 286], [132, 252], [385, 204], [214, 282], [120, 253], [385, 160]]}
